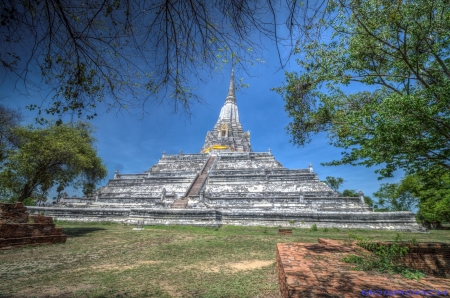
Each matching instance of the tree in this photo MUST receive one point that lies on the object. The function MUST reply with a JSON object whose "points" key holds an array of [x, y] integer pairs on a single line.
{"points": [[399, 52], [334, 182], [9, 119], [353, 193], [101, 52], [401, 196], [429, 192], [350, 193], [59, 155], [61, 195], [433, 192]]}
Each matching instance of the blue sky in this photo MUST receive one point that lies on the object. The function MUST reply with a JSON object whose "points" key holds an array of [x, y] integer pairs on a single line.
{"points": [[132, 145]]}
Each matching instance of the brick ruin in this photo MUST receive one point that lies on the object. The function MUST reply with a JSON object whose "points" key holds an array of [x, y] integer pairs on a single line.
{"points": [[316, 270], [226, 183], [18, 228], [430, 258]]}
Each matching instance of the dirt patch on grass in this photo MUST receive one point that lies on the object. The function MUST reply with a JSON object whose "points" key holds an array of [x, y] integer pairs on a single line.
{"points": [[249, 265], [233, 267], [170, 288], [52, 291], [116, 267]]}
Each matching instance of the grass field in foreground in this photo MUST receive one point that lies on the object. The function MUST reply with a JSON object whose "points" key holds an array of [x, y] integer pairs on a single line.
{"points": [[111, 260]]}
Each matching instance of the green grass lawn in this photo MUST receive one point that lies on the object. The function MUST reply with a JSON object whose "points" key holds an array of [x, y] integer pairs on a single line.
{"points": [[111, 260]]}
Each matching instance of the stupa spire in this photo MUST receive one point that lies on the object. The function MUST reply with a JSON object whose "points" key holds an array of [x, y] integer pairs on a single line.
{"points": [[227, 134], [231, 97]]}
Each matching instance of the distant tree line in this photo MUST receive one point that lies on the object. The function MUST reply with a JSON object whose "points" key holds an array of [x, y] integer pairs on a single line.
{"points": [[427, 196]]}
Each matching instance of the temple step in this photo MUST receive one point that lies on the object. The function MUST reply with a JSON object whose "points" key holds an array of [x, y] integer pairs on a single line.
{"points": [[198, 183], [209, 164], [180, 203]]}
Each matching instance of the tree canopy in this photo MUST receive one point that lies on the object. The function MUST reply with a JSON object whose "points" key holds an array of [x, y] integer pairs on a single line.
{"points": [[429, 192], [58, 155], [398, 51], [353, 193], [9, 119], [401, 196], [334, 182], [120, 53], [434, 199]]}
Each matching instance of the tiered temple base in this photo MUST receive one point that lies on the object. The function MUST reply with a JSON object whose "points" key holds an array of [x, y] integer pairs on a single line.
{"points": [[400, 221], [226, 188], [17, 228]]}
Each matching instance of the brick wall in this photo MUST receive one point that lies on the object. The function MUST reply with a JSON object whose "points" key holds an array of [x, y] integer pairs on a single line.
{"points": [[317, 270], [13, 213], [281, 276], [430, 258], [17, 228]]}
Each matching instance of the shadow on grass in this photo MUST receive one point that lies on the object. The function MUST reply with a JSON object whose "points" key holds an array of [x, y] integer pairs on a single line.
{"points": [[81, 231]]}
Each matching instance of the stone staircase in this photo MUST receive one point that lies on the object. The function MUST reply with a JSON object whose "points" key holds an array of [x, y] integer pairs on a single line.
{"points": [[196, 186], [180, 203]]}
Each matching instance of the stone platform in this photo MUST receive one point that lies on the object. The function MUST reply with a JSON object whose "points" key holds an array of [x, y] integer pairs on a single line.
{"points": [[226, 188], [399, 221], [316, 270]]}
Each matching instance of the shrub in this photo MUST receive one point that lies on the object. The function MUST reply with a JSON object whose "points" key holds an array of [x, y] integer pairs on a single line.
{"points": [[383, 258], [412, 274], [313, 228]]}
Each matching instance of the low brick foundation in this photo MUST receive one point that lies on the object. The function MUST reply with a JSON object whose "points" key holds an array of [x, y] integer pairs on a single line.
{"points": [[317, 270], [285, 232], [17, 228], [430, 258], [13, 213]]}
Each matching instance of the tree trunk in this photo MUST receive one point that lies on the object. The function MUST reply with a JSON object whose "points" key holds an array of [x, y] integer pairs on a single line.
{"points": [[25, 193]]}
